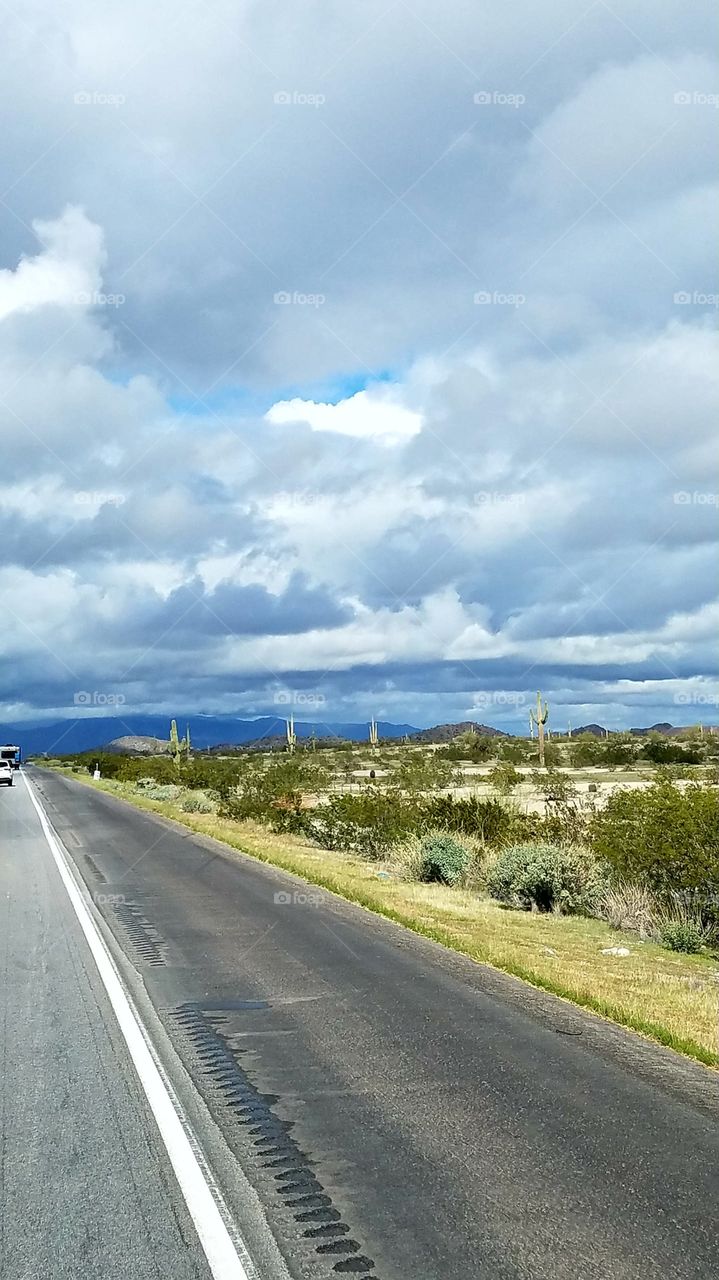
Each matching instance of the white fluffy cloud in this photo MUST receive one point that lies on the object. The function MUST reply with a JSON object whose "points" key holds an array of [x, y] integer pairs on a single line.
{"points": [[376, 416]]}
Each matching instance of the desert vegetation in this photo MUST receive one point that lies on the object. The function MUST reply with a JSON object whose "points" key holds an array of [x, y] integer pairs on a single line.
{"points": [[611, 844]]}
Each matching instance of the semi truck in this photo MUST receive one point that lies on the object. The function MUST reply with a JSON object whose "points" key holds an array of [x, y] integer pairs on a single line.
{"points": [[11, 754]]}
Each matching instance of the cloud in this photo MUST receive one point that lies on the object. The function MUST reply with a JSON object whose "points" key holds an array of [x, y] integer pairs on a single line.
{"points": [[368, 416], [402, 497], [65, 273]]}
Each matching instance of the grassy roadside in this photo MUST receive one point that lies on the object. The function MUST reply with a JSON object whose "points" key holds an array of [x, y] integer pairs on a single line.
{"points": [[669, 997]]}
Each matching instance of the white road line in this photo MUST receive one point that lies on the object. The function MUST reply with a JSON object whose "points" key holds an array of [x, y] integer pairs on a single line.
{"points": [[202, 1196]]}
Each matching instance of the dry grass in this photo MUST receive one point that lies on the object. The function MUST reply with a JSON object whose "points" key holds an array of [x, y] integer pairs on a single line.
{"points": [[672, 998]]}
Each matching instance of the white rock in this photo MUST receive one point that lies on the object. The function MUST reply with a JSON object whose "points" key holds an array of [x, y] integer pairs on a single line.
{"points": [[548, 951], [616, 951]]}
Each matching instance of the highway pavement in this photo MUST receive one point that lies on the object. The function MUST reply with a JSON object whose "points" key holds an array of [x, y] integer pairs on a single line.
{"points": [[358, 1100]]}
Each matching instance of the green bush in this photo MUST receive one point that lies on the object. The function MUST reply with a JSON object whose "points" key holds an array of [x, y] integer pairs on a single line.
{"points": [[547, 877], [167, 791], [661, 751], [664, 837], [423, 772], [274, 794], [491, 821], [504, 777], [682, 935], [197, 803], [368, 823], [443, 859]]}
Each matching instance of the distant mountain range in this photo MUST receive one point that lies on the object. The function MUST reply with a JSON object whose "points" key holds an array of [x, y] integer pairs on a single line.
{"points": [[89, 733]]}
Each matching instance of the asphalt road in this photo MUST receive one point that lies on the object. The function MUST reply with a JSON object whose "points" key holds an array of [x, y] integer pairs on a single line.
{"points": [[369, 1103]]}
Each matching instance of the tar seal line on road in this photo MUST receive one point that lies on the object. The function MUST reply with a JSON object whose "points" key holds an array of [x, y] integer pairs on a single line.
{"points": [[227, 1257]]}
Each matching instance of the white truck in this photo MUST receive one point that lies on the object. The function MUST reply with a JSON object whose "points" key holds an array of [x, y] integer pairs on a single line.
{"points": [[11, 755]]}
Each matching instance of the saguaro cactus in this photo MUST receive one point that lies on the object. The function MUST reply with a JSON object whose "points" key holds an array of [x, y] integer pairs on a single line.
{"points": [[179, 745], [373, 734], [291, 735], [540, 717]]}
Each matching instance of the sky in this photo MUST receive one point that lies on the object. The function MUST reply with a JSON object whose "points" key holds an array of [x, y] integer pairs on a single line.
{"points": [[359, 359]]}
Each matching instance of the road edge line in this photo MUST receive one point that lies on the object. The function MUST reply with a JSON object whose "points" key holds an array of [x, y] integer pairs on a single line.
{"points": [[202, 1196]]}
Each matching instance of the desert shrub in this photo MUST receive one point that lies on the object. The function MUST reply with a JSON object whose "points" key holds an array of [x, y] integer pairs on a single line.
{"points": [[443, 859], [274, 794], [681, 935], [629, 906], [418, 772], [556, 787], [368, 823], [167, 791], [662, 751], [196, 802], [468, 746], [504, 777], [547, 877], [491, 821], [518, 752], [585, 750], [406, 858], [662, 837], [564, 821]]}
